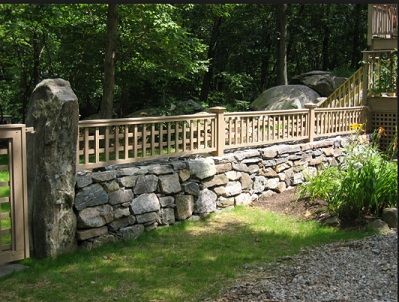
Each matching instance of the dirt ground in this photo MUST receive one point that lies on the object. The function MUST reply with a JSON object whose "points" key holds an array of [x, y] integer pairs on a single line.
{"points": [[287, 203]]}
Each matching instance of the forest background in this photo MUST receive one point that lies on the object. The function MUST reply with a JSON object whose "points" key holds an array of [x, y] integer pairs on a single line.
{"points": [[123, 58]]}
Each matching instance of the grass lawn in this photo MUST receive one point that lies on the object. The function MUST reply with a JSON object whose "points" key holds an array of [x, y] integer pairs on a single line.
{"points": [[4, 208], [186, 262]]}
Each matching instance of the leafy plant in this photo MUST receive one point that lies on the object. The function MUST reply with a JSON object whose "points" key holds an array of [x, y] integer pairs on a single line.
{"points": [[365, 183], [386, 75]]}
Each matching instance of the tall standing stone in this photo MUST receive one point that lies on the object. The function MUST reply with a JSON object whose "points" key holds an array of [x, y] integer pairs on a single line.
{"points": [[51, 158]]}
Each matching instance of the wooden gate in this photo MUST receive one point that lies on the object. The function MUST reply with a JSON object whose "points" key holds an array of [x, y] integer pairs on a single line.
{"points": [[14, 236]]}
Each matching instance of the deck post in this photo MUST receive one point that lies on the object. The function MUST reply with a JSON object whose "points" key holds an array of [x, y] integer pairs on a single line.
{"points": [[220, 128], [311, 127]]}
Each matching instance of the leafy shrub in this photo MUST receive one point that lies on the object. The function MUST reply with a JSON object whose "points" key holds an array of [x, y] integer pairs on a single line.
{"points": [[365, 183], [322, 185]]}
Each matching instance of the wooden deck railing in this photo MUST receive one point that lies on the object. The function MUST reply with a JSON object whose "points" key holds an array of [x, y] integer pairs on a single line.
{"points": [[381, 70], [118, 141], [348, 94], [384, 22]]}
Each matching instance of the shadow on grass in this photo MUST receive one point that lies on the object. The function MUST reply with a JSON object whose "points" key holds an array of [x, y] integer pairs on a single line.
{"points": [[186, 262]]}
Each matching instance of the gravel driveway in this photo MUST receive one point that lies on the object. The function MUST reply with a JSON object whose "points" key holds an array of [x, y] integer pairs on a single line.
{"points": [[361, 270]]}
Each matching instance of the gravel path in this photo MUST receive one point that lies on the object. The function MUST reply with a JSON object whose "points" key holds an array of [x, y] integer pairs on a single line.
{"points": [[361, 270]]}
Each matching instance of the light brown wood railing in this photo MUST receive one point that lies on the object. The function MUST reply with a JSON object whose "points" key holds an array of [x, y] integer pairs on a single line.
{"points": [[261, 127], [338, 121], [348, 94], [118, 141], [384, 22]]}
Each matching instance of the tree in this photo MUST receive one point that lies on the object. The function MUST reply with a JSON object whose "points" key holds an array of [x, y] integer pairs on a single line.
{"points": [[106, 108], [282, 78]]}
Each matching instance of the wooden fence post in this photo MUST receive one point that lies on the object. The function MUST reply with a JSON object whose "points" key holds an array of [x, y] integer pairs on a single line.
{"points": [[220, 128], [312, 127], [365, 83]]}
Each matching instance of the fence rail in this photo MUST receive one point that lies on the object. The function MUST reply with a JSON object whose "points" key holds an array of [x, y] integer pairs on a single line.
{"points": [[105, 142], [384, 22], [338, 121], [260, 127], [118, 141]]}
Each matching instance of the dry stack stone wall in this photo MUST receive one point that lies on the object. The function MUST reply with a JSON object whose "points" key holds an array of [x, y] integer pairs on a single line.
{"points": [[122, 203]]}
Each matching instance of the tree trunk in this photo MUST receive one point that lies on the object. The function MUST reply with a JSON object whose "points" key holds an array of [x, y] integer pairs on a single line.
{"points": [[206, 81], [282, 78], [356, 34], [106, 108], [326, 40]]}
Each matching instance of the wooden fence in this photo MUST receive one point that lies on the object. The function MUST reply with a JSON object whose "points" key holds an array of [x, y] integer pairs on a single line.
{"points": [[118, 141], [384, 22]]}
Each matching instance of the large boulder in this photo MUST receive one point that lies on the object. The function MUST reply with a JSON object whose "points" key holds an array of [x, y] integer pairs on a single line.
{"points": [[53, 111], [323, 82], [285, 97]]}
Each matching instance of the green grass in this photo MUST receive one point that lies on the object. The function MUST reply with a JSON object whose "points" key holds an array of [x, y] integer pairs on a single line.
{"points": [[186, 262], [4, 208]]}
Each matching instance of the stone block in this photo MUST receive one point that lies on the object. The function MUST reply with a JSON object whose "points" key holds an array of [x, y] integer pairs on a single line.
{"points": [[147, 202], [217, 180], [121, 212], [233, 188], [206, 202], [90, 196], [111, 186], [191, 188], [167, 216], [146, 184], [83, 180], [131, 232], [128, 181], [95, 217], [233, 175], [91, 233], [243, 199], [202, 168], [103, 176], [240, 167], [272, 183], [169, 184], [184, 175], [167, 201], [246, 181], [160, 169], [120, 196], [260, 183], [184, 206], [121, 223], [148, 218], [221, 168]]}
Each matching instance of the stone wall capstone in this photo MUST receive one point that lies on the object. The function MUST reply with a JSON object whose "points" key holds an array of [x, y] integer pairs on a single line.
{"points": [[145, 196]]}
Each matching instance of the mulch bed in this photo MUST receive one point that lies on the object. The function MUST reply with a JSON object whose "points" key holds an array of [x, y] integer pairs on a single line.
{"points": [[287, 203]]}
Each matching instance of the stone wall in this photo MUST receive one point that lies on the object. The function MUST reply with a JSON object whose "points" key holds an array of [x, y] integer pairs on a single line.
{"points": [[123, 202]]}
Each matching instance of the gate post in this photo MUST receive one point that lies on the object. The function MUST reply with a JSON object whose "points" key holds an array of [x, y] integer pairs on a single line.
{"points": [[51, 158], [220, 128]]}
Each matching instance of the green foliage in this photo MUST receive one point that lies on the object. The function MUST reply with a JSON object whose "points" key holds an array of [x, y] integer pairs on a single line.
{"points": [[386, 75], [162, 51], [191, 261], [323, 185], [365, 183]]}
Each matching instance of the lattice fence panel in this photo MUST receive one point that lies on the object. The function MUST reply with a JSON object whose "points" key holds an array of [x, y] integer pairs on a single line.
{"points": [[388, 121]]}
